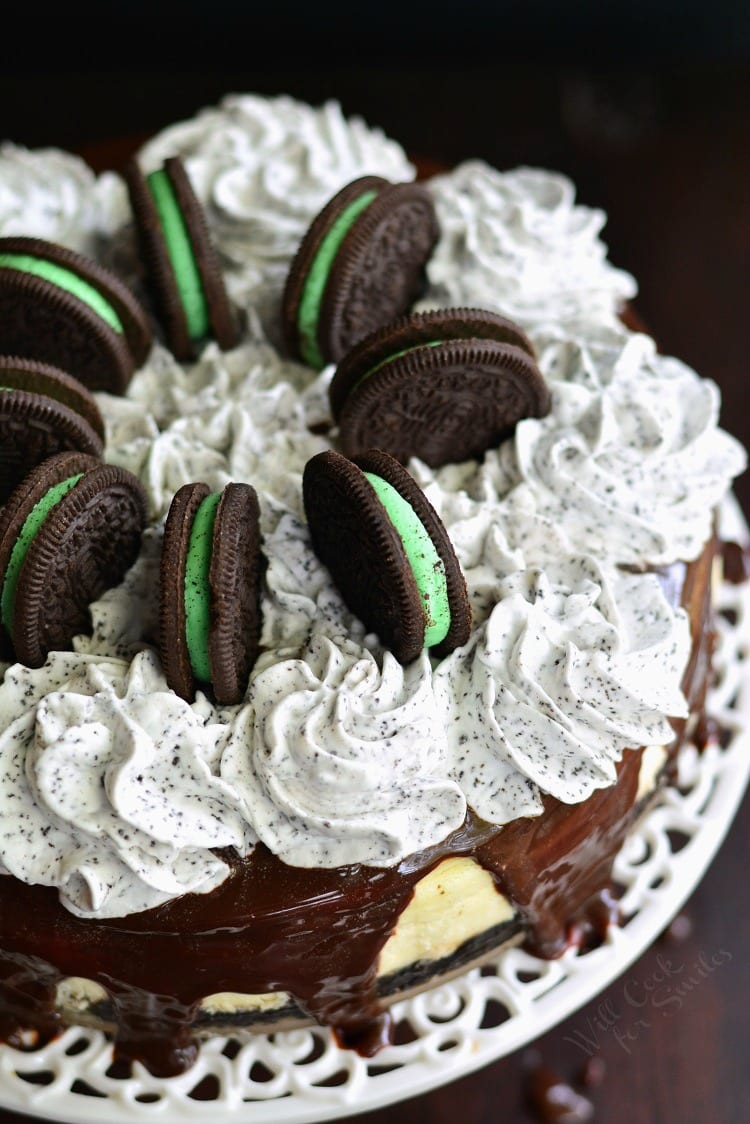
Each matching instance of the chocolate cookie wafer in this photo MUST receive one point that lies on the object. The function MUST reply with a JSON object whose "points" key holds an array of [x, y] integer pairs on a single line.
{"points": [[360, 264], [388, 552], [65, 309], [442, 386], [69, 531], [210, 590], [183, 269], [43, 411]]}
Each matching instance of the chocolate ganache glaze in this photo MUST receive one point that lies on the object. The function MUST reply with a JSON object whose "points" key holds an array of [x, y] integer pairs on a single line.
{"points": [[317, 934]]}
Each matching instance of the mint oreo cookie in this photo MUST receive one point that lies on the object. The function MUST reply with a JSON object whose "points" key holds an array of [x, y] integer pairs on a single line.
{"points": [[43, 411], [62, 308], [442, 386], [69, 531], [210, 591], [183, 270], [388, 552], [360, 264]]}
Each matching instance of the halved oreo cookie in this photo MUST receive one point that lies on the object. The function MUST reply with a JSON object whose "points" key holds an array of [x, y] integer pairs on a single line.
{"points": [[361, 263], [43, 411], [68, 532], [183, 269], [65, 309], [442, 386], [388, 552], [210, 590]]}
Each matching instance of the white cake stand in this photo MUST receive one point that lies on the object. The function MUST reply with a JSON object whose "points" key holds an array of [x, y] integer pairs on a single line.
{"points": [[302, 1076]]}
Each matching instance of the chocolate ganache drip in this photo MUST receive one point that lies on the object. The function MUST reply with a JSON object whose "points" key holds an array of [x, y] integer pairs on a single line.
{"points": [[317, 934]]}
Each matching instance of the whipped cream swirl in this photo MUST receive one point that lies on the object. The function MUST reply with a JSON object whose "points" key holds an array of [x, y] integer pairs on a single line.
{"points": [[109, 785], [557, 682], [517, 242], [629, 464], [237, 415], [633, 471], [340, 761], [51, 194]]}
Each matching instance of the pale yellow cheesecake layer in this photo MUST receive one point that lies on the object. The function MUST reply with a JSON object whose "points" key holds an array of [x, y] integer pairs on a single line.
{"points": [[455, 903]]}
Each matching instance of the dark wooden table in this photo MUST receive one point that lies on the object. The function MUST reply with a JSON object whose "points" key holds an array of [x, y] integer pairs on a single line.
{"points": [[666, 152]]}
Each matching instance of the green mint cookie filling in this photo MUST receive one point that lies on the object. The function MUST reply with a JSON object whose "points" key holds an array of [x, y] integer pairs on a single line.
{"points": [[34, 521], [49, 391], [197, 593], [66, 279], [181, 256], [308, 313], [426, 564]]}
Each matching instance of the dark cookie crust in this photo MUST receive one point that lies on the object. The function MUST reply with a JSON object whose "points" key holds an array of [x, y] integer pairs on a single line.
{"points": [[375, 460], [160, 275], [84, 547], [308, 249], [234, 581], [420, 328], [443, 404], [173, 647], [352, 535], [379, 271], [135, 345]]}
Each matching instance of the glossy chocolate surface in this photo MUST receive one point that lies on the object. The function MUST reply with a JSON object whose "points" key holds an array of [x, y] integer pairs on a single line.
{"points": [[318, 934]]}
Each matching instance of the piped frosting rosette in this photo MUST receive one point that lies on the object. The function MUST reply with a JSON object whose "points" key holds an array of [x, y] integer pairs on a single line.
{"points": [[631, 472], [237, 415], [517, 242], [629, 464], [264, 167], [340, 761], [299, 597], [557, 683], [97, 801], [50, 194], [494, 534]]}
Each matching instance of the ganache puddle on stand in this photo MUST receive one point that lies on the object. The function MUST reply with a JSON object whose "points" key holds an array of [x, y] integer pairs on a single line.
{"points": [[318, 934]]}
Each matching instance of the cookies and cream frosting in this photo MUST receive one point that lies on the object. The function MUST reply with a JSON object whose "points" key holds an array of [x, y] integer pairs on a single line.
{"points": [[518, 241], [123, 795], [49, 194]]}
